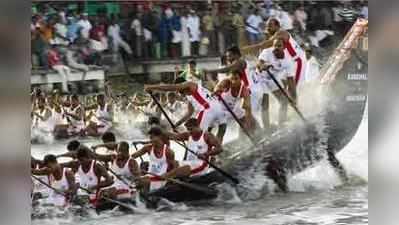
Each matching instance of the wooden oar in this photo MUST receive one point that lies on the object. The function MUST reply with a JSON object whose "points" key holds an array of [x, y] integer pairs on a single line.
{"points": [[290, 101], [237, 120], [235, 180], [185, 184], [124, 205], [48, 186]]}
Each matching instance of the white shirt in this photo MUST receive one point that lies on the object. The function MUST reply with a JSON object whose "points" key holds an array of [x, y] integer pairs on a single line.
{"points": [[193, 23], [282, 68], [254, 21], [136, 25], [86, 27], [113, 31]]}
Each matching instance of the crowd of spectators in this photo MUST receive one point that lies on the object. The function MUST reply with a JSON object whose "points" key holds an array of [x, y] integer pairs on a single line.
{"points": [[62, 38]]}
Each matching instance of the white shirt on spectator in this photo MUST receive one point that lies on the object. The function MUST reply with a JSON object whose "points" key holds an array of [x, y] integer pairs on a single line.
{"points": [[147, 35], [86, 27], [254, 21], [60, 29], [113, 32], [136, 26], [193, 23]]}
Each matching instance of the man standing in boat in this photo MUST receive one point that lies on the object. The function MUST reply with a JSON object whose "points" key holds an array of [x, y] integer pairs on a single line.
{"points": [[203, 143], [162, 159], [233, 91], [61, 180], [277, 61], [75, 115]]}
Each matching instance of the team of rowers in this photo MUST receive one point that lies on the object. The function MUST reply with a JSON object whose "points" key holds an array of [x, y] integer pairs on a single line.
{"points": [[233, 98]]}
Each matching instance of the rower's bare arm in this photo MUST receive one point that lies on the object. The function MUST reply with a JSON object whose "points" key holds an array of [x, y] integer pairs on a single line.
{"points": [[216, 146], [234, 66], [100, 171], [134, 168], [71, 164], [142, 151], [177, 136], [67, 155], [41, 172], [292, 88], [221, 86], [246, 105], [103, 158], [189, 113], [170, 158], [71, 182]]}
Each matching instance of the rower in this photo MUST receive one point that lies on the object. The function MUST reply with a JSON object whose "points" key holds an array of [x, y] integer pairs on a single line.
{"points": [[61, 181], [208, 110], [162, 159], [92, 176], [103, 115], [75, 116], [125, 167], [280, 65], [233, 91], [59, 124], [203, 143], [41, 117], [295, 51]]}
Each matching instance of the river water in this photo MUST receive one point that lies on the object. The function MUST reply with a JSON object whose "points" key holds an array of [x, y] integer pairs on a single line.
{"points": [[316, 197]]}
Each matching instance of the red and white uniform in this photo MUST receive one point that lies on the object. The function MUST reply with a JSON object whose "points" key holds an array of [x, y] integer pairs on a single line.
{"points": [[198, 166], [123, 190], [298, 55], [281, 69], [233, 102], [61, 185], [158, 166], [75, 125], [88, 180], [207, 108]]}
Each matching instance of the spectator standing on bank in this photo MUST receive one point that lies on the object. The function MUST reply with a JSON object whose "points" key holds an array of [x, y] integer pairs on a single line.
{"points": [[349, 14], [39, 48], [164, 33], [253, 23], [150, 24], [117, 41], [175, 23], [218, 16], [55, 62], [73, 29], [85, 25], [186, 47], [138, 36], [238, 22], [193, 24], [60, 32], [229, 30], [209, 30]]}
